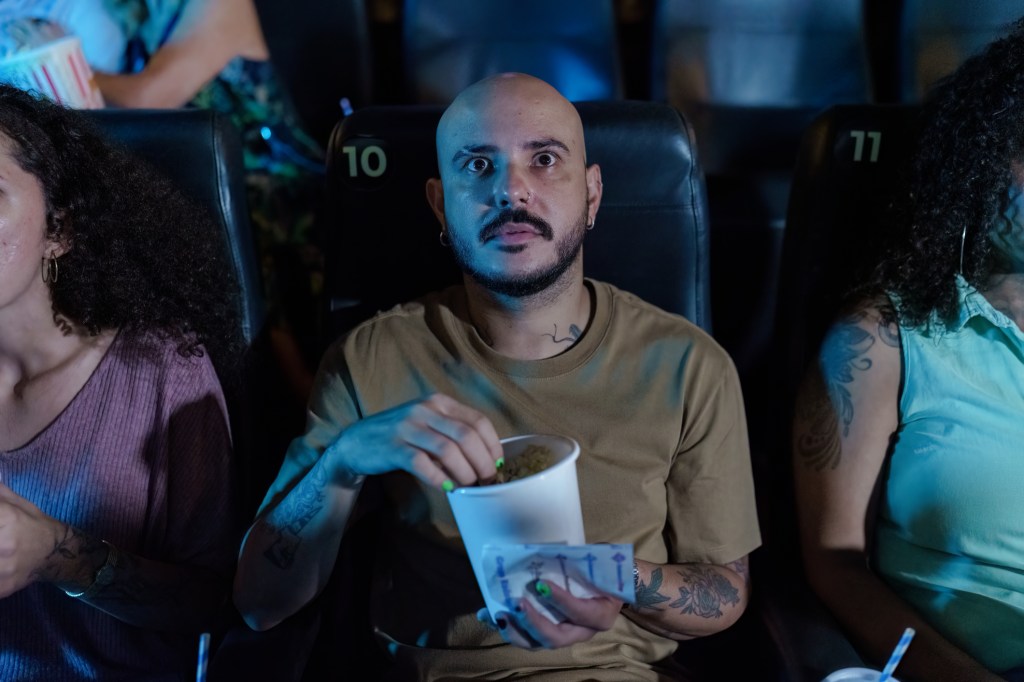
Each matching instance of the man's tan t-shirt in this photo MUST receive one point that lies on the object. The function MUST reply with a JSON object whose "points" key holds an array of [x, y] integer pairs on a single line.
{"points": [[655, 405]]}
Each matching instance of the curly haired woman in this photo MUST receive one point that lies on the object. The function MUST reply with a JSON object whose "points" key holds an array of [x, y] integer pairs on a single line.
{"points": [[909, 428], [117, 533]]}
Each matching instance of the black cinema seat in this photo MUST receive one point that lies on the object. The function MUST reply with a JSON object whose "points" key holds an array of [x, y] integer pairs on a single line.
{"points": [[851, 163], [449, 44], [651, 236]]}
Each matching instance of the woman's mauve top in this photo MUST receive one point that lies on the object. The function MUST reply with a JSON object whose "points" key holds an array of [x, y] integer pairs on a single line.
{"points": [[140, 458]]}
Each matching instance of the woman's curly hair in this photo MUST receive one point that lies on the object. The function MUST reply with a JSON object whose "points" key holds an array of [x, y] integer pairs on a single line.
{"points": [[139, 256], [972, 130]]}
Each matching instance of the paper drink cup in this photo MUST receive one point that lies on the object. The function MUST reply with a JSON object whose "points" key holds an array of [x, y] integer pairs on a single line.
{"points": [[540, 508], [57, 70], [856, 675]]}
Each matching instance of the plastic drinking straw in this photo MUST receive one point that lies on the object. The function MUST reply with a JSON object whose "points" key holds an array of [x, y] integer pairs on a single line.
{"points": [[897, 654], [204, 650]]}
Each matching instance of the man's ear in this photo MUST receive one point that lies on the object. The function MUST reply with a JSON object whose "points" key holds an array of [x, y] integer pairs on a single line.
{"points": [[435, 197], [594, 190]]}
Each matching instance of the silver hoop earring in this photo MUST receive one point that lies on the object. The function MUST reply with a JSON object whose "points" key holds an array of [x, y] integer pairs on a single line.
{"points": [[590, 224], [963, 242], [442, 237], [50, 270]]}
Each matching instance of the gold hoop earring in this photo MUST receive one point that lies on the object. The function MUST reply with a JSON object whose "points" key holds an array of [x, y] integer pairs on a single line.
{"points": [[442, 237], [50, 270]]}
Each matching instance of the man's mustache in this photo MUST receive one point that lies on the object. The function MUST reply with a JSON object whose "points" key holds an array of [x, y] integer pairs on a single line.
{"points": [[519, 215]]}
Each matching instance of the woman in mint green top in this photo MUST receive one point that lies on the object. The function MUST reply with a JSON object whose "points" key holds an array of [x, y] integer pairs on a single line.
{"points": [[950, 529], [909, 435]]}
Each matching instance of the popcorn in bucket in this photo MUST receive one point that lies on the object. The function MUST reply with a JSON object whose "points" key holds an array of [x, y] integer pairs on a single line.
{"points": [[55, 68]]}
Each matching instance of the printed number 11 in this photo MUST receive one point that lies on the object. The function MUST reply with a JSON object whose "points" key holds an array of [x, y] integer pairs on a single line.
{"points": [[858, 147]]}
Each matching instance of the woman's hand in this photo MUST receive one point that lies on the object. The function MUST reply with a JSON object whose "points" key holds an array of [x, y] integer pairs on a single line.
{"points": [[32, 546]]}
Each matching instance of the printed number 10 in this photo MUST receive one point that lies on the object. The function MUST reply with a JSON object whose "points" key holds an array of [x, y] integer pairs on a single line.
{"points": [[372, 161], [858, 147]]}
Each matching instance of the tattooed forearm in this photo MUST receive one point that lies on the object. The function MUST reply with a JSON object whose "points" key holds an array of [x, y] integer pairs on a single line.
{"points": [[741, 568], [647, 594], [705, 592], [134, 585], [133, 589], [574, 335], [74, 559], [296, 511]]}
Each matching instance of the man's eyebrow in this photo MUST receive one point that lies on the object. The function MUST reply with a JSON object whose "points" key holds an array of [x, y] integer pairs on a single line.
{"points": [[546, 143], [473, 150]]}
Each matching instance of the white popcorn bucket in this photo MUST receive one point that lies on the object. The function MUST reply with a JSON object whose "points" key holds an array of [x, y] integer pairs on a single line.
{"points": [[540, 508], [57, 70]]}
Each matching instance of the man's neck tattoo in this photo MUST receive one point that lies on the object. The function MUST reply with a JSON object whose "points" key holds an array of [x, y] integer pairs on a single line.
{"points": [[574, 335]]}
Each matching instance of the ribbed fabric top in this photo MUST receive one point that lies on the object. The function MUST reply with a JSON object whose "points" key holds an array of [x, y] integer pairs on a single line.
{"points": [[141, 458]]}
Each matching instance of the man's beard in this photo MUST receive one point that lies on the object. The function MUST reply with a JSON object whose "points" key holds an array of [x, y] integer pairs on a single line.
{"points": [[526, 284]]}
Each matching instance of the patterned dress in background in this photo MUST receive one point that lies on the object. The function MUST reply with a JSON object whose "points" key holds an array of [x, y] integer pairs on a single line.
{"points": [[284, 167]]}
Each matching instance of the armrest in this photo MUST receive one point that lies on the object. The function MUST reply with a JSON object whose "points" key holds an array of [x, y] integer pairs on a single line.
{"points": [[810, 642]]}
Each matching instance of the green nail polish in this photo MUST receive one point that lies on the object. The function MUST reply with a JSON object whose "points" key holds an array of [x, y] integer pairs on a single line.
{"points": [[542, 588], [499, 463], [448, 486]]}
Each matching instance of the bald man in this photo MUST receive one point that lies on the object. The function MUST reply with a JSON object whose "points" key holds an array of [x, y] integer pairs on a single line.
{"points": [[420, 395]]}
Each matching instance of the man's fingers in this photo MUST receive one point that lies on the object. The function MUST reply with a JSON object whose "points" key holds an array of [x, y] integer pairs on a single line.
{"points": [[460, 438], [584, 617], [445, 453], [513, 633], [439, 440], [426, 468], [471, 447], [474, 422], [596, 613], [539, 628]]}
